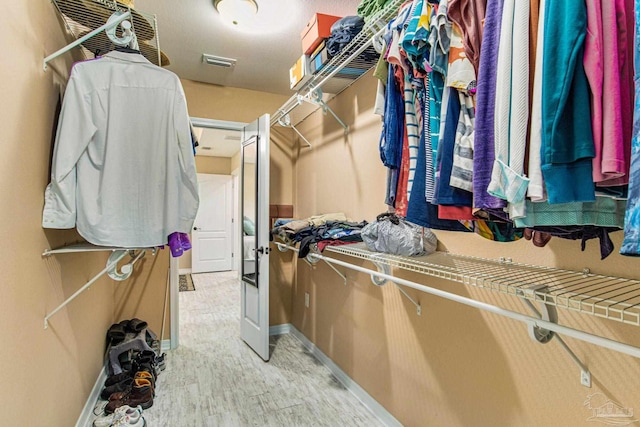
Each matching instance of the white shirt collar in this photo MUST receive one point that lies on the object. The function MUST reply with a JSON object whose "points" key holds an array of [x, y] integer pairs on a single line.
{"points": [[129, 57]]}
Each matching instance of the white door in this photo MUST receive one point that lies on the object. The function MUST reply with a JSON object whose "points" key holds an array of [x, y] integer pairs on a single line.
{"points": [[254, 269], [212, 235]]}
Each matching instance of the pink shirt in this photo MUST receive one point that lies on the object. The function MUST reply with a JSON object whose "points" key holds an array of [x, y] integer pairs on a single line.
{"points": [[608, 63]]}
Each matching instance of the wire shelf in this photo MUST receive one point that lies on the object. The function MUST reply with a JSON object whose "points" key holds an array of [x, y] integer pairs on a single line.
{"points": [[355, 57], [608, 297], [363, 61], [89, 247], [82, 16]]}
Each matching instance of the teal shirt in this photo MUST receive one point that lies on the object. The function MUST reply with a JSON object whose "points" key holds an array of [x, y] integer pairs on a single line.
{"points": [[567, 138]]}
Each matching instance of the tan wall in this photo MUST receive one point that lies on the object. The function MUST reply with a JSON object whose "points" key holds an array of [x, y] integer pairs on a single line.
{"points": [[453, 365], [213, 165], [228, 103], [58, 367], [281, 272], [54, 369]]}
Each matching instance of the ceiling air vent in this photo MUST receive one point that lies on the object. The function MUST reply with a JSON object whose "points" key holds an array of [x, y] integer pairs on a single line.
{"points": [[218, 61]]}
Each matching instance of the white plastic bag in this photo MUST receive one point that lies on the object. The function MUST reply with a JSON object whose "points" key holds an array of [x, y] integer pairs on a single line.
{"points": [[395, 235]]}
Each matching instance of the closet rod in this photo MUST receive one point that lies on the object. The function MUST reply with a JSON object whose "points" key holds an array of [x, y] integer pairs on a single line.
{"points": [[530, 321], [86, 37], [85, 287]]}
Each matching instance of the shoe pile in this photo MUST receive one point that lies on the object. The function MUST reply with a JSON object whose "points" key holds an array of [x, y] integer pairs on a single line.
{"points": [[122, 416], [131, 386]]}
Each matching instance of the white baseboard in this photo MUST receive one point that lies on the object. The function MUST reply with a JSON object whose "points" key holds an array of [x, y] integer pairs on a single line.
{"points": [[184, 271], [86, 416], [280, 329], [368, 401]]}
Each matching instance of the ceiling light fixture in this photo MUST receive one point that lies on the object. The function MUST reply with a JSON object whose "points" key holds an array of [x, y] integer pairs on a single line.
{"points": [[236, 12], [218, 61]]}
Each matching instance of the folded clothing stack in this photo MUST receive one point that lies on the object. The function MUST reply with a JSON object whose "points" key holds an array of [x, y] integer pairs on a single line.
{"points": [[321, 230]]}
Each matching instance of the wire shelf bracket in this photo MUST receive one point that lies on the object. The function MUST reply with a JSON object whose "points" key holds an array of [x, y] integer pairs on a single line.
{"points": [[543, 336], [285, 121], [381, 281], [111, 269], [311, 259], [351, 56], [100, 26], [548, 287], [529, 320], [314, 257], [315, 97], [112, 23], [541, 328]]}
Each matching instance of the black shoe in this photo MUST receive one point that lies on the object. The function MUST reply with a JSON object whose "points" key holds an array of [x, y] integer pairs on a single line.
{"points": [[114, 379], [123, 385], [146, 366], [136, 325], [116, 334], [160, 363]]}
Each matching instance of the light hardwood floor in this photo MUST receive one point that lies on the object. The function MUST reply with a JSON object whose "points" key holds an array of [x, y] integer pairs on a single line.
{"points": [[215, 379]]}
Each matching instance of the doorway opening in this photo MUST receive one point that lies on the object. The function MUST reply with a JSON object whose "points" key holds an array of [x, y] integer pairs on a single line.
{"points": [[216, 235]]}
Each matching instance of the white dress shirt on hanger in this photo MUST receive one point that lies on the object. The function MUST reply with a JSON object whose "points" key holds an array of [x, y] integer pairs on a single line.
{"points": [[123, 166]]}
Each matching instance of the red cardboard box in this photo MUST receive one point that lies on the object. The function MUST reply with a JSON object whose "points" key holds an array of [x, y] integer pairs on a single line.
{"points": [[317, 29]]}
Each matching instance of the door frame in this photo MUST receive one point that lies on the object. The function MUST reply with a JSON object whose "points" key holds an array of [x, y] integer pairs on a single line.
{"points": [[237, 228], [230, 212], [174, 265]]}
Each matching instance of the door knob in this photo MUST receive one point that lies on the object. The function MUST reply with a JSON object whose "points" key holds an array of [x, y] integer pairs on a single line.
{"points": [[195, 228]]}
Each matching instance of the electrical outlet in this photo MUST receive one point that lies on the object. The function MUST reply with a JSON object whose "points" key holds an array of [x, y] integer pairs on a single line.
{"points": [[306, 299]]}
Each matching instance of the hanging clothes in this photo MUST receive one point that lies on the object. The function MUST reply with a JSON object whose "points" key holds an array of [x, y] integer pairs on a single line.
{"points": [[507, 128], [631, 242], [536, 190], [567, 144], [439, 43], [469, 16], [123, 168], [484, 135], [462, 171], [612, 166], [512, 108], [457, 133], [445, 193]]}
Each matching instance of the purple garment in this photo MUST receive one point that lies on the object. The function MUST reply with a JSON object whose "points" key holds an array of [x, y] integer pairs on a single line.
{"points": [[179, 243], [184, 241], [484, 138]]}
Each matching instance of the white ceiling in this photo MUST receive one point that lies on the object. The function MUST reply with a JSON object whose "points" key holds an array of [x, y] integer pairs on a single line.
{"points": [[264, 54], [217, 142]]}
